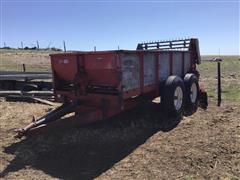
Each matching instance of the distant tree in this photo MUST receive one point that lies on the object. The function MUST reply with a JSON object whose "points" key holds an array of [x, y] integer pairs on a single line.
{"points": [[6, 47], [28, 48], [55, 49]]}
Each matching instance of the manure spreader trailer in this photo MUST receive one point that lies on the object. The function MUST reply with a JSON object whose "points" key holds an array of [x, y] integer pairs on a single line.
{"points": [[100, 84]]}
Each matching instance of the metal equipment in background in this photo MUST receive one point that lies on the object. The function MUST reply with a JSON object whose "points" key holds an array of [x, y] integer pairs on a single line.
{"points": [[16, 85]]}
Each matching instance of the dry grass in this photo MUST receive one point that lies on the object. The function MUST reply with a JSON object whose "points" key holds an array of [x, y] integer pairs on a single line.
{"points": [[12, 60]]}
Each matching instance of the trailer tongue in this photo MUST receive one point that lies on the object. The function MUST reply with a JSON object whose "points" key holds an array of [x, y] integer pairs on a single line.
{"points": [[49, 117], [101, 84]]}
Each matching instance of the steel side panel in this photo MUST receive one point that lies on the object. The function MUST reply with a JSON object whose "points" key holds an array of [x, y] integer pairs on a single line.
{"points": [[177, 64], [130, 63], [150, 88], [101, 69], [131, 93], [164, 70], [149, 69], [100, 61], [187, 62]]}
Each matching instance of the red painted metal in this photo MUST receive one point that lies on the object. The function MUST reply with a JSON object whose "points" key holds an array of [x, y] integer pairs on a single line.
{"points": [[76, 73]]}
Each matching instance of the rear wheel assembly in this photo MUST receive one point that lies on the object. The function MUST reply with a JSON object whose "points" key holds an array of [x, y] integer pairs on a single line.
{"points": [[192, 94], [173, 98]]}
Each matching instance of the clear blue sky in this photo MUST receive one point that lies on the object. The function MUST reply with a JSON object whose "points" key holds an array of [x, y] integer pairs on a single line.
{"points": [[106, 25]]}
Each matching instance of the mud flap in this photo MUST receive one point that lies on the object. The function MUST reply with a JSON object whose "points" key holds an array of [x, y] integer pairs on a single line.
{"points": [[203, 99]]}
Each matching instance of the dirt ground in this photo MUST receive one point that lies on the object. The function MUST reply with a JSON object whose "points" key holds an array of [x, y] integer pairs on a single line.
{"points": [[134, 145]]}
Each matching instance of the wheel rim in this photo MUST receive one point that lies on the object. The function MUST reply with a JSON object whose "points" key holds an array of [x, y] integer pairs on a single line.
{"points": [[193, 93], [178, 98]]}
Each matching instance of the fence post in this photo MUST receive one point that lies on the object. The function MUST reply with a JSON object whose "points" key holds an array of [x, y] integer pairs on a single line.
{"points": [[37, 45], [64, 46], [219, 83], [24, 67]]}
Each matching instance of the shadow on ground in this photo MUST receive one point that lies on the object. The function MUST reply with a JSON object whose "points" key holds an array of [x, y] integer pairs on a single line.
{"points": [[87, 152]]}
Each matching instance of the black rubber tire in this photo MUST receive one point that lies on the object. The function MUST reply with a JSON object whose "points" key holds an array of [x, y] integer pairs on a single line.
{"points": [[190, 107], [168, 96]]}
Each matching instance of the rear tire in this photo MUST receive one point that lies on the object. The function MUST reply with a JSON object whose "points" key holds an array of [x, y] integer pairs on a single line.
{"points": [[173, 98], [192, 94]]}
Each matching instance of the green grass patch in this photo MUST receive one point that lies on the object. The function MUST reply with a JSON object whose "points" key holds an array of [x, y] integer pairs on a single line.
{"points": [[230, 95], [228, 67], [230, 73]]}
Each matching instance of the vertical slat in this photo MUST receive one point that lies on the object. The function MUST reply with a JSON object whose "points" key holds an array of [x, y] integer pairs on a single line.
{"points": [[130, 64], [183, 65], [164, 66], [149, 68], [177, 63], [157, 68], [187, 62], [171, 62], [141, 57], [191, 60]]}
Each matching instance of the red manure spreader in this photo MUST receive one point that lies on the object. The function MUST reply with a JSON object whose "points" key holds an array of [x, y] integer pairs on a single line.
{"points": [[100, 84]]}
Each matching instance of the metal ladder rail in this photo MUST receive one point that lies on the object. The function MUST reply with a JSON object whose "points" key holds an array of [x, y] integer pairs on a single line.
{"points": [[165, 45]]}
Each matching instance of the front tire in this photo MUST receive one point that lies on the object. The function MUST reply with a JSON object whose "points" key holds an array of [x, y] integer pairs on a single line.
{"points": [[173, 96]]}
